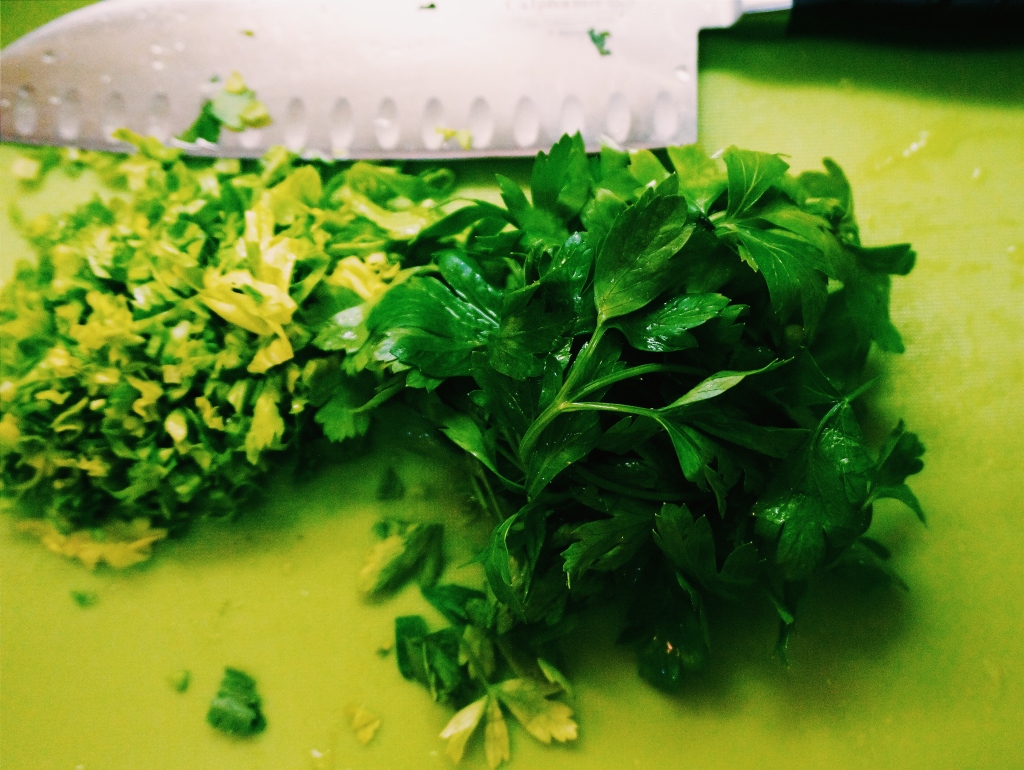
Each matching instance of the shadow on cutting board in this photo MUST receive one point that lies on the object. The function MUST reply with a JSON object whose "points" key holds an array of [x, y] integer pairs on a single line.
{"points": [[760, 47]]}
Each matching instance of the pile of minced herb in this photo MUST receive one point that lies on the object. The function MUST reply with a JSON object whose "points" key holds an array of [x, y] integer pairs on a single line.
{"points": [[652, 364]]}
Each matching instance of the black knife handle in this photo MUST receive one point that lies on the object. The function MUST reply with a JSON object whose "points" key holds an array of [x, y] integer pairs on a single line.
{"points": [[940, 21]]}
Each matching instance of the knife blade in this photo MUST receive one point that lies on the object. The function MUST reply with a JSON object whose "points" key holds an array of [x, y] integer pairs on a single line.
{"points": [[356, 79]]}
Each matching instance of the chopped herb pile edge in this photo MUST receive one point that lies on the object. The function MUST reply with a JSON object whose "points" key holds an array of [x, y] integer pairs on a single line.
{"points": [[159, 349]]}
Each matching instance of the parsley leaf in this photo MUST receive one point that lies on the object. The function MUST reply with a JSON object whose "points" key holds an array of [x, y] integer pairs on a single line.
{"points": [[750, 175], [599, 39], [236, 709], [234, 107], [818, 502], [634, 263], [405, 550]]}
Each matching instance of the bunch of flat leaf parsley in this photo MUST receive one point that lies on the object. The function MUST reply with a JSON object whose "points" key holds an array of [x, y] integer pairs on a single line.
{"points": [[655, 372]]}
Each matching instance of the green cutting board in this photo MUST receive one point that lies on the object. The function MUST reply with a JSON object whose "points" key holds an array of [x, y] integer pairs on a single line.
{"points": [[933, 142]]}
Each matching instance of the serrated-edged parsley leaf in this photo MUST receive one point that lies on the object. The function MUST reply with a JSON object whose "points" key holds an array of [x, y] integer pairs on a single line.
{"points": [[750, 175], [541, 226], [899, 458], [702, 180], [567, 439], [560, 182], [664, 328], [607, 543], [545, 719], [343, 416], [422, 324], [792, 268], [533, 323], [633, 266], [461, 726], [460, 605], [690, 545], [429, 658], [818, 502]]}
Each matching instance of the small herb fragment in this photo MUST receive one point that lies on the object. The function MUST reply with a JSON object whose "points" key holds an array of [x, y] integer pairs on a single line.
{"points": [[180, 680], [461, 136], [404, 552], [234, 107], [599, 39], [85, 598], [236, 708], [364, 723]]}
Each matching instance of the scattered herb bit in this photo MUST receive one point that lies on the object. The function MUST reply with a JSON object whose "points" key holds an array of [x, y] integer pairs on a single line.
{"points": [[85, 598], [119, 544], [406, 551], [462, 137], [27, 169], [428, 7], [599, 39], [364, 723], [236, 708], [180, 680], [248, 33], [234, 107]]}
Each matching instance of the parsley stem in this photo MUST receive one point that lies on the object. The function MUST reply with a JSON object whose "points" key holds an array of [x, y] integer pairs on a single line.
{"points": [[658, 495], [553, 409], [474, 665], [489, 497], [635, 371], [597, 406], [396, 387]]}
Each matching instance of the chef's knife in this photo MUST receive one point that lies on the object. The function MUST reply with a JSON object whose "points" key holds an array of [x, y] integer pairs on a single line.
{"points": [[372, 78]]}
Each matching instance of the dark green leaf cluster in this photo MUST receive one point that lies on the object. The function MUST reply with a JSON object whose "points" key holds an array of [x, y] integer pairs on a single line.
{"points": [[655, 369], [236, 707], [459, 663]]}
